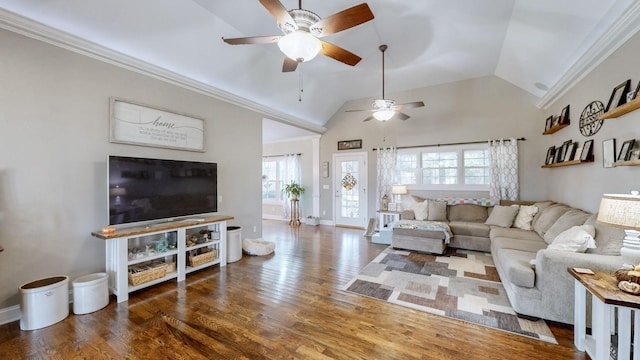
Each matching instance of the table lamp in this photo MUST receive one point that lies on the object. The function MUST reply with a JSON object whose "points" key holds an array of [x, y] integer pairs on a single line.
{"points": [[623, 210], [399, 190]]}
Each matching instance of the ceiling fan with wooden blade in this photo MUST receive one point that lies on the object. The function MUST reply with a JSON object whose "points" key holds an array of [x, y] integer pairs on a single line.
{"points": [[302, 31], [386, 109]]}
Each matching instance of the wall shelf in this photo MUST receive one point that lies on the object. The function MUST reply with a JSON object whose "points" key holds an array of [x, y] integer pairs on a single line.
{"points": [[567, 163], [556, 128], [627, 163], [622, 109]]}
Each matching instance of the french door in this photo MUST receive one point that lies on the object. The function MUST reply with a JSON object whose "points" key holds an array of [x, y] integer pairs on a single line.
{"points": [[350, 187]]}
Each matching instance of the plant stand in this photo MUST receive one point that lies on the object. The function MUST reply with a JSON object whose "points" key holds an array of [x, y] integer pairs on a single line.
{"points": [[295, 213]]}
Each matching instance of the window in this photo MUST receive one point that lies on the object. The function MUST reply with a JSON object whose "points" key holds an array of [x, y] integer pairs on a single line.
{"points": [[272, 174], [462, 167]]}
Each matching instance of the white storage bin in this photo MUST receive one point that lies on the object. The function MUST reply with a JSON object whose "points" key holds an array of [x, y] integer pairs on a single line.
{"points": [[90, 293], [234, 243], [44, 302]]}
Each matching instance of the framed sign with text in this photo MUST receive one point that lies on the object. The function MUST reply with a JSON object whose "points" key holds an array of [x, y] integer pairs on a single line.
{"points": [[350, 144], [139, 124]]}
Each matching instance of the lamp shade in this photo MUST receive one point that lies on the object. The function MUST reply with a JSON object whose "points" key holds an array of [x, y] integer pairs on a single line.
{"points": [[620, 210], [399, 189], [300, 46]]}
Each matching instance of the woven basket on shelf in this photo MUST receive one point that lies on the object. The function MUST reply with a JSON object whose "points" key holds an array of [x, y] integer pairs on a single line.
{"points": [[204, 258], [145, 273]]}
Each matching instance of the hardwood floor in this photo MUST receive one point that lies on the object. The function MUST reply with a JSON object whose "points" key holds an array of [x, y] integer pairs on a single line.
{"points": [[285, 305]]}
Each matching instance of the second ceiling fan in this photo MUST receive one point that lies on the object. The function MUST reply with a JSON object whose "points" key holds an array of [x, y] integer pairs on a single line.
{"points": [[386, 109], [302, 32]]}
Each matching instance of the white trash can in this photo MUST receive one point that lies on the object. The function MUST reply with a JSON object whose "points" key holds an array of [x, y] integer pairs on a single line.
{"points": [[234, 243], [90, 293], [44, 302]]}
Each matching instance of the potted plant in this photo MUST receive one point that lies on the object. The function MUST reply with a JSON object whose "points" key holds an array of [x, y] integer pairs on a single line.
{"points": [[293, 190]]}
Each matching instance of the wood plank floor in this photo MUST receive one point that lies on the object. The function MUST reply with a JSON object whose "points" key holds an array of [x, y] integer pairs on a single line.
{"points": [[286, 305]]}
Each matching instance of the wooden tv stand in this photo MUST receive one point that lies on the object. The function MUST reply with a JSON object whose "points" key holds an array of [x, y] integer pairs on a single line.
{"points": [[120, 257]]}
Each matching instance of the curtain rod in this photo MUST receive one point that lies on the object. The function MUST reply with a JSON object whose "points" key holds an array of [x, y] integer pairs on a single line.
{"points": [[451, 144], [268, 156]]}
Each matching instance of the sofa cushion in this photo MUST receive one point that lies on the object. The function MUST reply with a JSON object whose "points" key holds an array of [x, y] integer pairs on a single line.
{"points": [[566, 221], [516, 265], [502, 216], [533, 246], [437, 210], [469, 228], [420, 210], [548, 217], [468, 212], [608, 238], [541, 206], [525, 217], [514, 233], [576, 239]]}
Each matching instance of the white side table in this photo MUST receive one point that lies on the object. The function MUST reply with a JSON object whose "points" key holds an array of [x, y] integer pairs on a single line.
{"points": [[384, 219], [606, 299]]}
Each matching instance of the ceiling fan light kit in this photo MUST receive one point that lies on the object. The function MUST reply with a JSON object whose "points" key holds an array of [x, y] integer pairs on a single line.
{"points": [[384, 109], [300, 46]]}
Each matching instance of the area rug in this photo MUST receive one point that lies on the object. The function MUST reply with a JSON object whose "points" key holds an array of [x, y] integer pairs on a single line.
{"points": [[460, 284]]}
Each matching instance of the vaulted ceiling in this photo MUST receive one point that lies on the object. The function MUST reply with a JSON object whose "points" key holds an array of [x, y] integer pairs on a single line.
{"points": [[531, 44]]}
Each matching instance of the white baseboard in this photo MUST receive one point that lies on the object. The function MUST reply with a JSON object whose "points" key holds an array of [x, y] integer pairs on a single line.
{"points": [[10, 314]]}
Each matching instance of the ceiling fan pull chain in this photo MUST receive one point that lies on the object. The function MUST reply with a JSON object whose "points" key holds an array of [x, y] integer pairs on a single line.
{"points": [[300, 89]]}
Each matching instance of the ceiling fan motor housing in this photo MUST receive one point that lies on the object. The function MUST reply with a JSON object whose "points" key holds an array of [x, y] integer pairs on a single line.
{"points": [[303, 19], [383, 104]]}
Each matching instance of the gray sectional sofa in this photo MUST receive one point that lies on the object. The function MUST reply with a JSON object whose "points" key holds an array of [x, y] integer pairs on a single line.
{"points": [[534, 275]]}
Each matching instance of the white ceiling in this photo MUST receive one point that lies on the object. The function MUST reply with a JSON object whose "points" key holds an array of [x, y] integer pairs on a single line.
{"points": [[530, 43]]}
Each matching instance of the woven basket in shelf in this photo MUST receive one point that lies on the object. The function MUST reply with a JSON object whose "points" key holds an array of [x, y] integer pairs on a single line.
{"points": [[171, 267], [204, 258], [145, 273]]}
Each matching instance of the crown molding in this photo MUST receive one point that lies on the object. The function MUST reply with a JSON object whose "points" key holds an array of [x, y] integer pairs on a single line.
{"points": [[621, 31], [35, 30]]}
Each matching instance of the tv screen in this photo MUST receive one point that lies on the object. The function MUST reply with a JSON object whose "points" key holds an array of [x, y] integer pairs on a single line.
{"points": [[153, 189]]}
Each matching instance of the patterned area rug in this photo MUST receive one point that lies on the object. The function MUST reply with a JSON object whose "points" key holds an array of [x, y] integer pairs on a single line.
{"points": [[460, 284]]}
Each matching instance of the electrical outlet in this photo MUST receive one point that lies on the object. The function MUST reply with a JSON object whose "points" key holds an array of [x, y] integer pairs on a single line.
{"points": [[220, 199], [324, 213], [254, 228]]}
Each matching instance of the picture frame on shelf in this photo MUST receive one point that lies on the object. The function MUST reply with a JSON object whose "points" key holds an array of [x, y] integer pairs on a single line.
{"points": [[571, 151], [608, 153], [635, 92], [548, 123], [625, 150], [564, 115], [551, 151], [618, 95], [587, 150]]}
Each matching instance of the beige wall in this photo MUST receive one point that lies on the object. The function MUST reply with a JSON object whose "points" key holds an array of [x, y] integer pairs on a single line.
{"points": [[54, 116]]}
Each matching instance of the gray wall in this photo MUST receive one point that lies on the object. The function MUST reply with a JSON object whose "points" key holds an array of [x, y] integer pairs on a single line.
{"points": [[583, 185], [54, 116], [302, 146], [471, 110]]}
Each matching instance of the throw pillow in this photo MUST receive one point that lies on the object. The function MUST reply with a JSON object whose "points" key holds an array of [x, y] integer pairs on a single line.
{"points": [[437, 210], [502, 216], [420, 210], [576, 239], [525, 217]]}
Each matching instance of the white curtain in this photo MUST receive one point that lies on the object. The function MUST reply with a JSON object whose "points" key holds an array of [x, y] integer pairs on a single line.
{"points": [[386, 166], [291, 172], [503, 170]]}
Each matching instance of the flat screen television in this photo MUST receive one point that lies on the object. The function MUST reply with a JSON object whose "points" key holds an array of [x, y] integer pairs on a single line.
{"points": [[143, 189]]}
